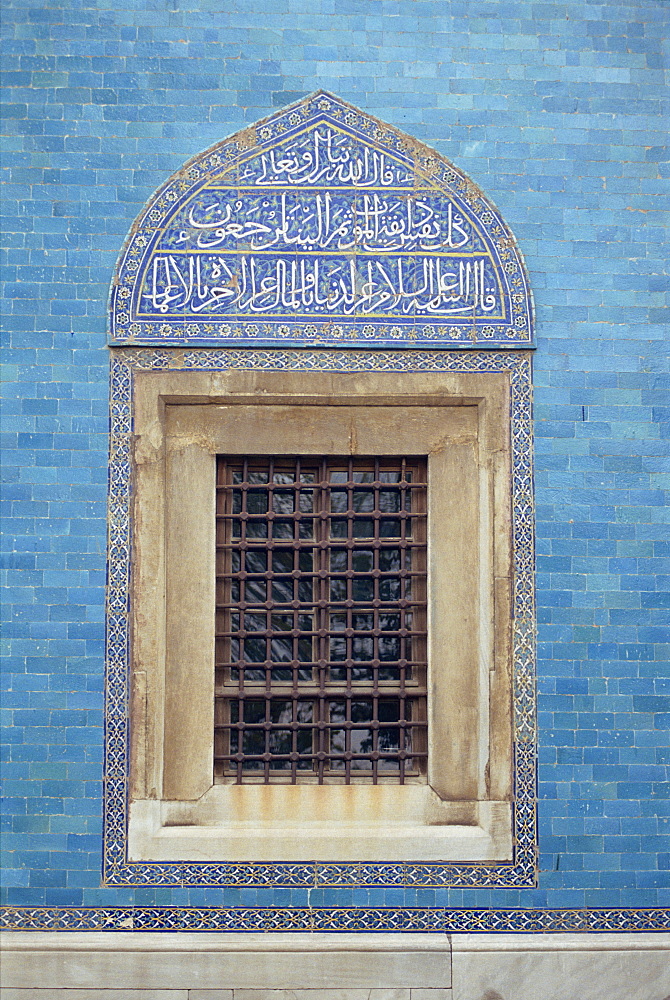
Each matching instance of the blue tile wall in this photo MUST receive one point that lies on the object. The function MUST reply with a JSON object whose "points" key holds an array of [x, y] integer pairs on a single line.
{"points": [[557, 111]]}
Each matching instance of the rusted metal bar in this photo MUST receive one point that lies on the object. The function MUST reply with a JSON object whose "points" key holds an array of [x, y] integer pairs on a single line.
{"points": [[320, 620]]}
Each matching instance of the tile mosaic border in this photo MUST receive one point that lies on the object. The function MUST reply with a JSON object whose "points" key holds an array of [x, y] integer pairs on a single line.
{"points": [[335, 920], [118, 871]]}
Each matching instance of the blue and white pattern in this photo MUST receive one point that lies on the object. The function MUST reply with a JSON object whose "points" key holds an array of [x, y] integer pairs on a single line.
{"points": [[435, 920], [321, 226], [558, 119]]}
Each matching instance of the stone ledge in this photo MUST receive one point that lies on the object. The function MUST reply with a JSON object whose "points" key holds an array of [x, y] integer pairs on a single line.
{"points": [[182, 961], [211, 966], [563, 942], [185, 941], [150, 994], [561, 967]]}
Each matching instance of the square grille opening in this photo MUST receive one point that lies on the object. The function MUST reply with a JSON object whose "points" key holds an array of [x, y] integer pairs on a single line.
{"points": [[320, 620]]}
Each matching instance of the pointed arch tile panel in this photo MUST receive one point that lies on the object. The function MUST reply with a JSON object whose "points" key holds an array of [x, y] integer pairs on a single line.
{"points": [[321, 226]]}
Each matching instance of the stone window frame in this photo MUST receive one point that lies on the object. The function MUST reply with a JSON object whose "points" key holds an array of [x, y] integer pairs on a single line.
{"points": [[464, 813]]}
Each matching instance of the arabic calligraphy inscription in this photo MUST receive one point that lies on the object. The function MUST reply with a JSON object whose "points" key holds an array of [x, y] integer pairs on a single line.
{"points": [[320, 235]]}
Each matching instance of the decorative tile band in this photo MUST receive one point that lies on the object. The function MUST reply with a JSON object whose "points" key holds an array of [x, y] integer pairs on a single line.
{"points": [[522, 871], [336, 920]]}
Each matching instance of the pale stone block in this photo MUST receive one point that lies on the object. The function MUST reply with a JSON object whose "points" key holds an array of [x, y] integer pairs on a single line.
{"points": [[319, 995], [54, 993], [166, 830], [210, 995], [588, 968], [422, 994], [204, 962]]}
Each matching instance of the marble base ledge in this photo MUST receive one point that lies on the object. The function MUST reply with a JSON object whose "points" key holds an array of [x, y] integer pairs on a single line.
{"points": [[561, 966], [185, 966], [202, 962], [149, 994]]}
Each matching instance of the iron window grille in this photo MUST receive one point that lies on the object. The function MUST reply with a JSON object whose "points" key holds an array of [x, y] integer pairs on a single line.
{"points": [[320, 620]]}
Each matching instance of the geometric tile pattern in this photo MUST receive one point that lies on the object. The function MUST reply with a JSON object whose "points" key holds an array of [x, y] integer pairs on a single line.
{"points": [[300, 919]]}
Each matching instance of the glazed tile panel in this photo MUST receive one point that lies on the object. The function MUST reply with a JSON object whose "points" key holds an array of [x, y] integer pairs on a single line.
{"points": [[558, 119], [300, 919], [321, 226]]}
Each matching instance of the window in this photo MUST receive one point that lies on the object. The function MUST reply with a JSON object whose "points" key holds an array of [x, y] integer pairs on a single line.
{"points": [[321, 620], [360, 660]]}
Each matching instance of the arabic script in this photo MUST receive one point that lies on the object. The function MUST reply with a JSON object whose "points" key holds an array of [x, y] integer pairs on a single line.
{"points": [[323, 156], [323, 220], [256, 284]]}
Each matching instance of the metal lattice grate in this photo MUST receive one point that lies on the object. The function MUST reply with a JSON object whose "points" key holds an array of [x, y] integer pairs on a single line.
{"points": [[321, 620]]}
